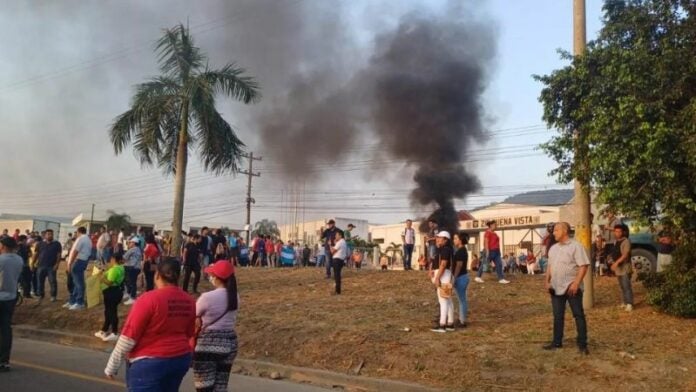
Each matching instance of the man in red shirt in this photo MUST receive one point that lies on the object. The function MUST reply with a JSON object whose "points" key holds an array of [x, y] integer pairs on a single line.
{"points": [[491, 248]]}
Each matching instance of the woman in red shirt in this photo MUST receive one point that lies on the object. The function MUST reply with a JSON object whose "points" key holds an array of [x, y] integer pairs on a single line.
{"points": [[491, 247], [155, 339], [151, 255]]}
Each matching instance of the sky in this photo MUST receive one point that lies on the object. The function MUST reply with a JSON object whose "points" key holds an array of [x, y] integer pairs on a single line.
{"points": [[68, 69]]}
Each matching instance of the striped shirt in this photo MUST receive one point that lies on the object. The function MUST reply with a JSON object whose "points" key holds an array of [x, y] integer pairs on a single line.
{"points": [[565, 258]]}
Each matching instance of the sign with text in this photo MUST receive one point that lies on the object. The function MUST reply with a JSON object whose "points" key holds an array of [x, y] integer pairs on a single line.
{"points": [[504, 221]]}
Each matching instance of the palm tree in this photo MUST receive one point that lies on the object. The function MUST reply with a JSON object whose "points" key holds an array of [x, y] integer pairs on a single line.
{"points": [[394, 248], [118, 221], [266, 227], [174, 113]]}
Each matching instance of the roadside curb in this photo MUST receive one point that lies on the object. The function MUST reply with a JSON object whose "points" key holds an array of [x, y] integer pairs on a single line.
{"points": [[322, 378]]}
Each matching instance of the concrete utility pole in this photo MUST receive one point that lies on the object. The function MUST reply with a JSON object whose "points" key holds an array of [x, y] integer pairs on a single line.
{"points": [[582, 195], [91, 220], [249, 200]]}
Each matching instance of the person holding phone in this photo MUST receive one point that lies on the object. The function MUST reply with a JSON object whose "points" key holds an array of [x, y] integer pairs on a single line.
{"points": [[568, 264]]}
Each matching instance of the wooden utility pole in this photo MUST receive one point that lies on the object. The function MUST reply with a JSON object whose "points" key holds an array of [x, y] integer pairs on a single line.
{"points": [[91, 220], [249, 200], [582, 188]]}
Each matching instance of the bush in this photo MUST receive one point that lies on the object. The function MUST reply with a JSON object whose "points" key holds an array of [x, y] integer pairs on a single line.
{"points": [[674, 290]]}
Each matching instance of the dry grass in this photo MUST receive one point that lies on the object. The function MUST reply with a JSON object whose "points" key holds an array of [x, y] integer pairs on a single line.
{"points": [[289, 316]]}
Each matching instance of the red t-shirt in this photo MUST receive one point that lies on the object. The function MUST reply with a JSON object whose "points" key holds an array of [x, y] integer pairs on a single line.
{"points": [[270, 247], [493, 240], [151, 252], [161, 322]]}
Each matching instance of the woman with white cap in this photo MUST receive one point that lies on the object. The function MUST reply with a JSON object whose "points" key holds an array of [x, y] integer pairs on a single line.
{"points": [[215, 345], [442, 279]]}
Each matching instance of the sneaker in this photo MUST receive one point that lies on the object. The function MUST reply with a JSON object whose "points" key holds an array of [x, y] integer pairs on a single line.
{"points": [[54, 299], [129, 302], [101, 335], [629, 308], [76, 307], [67, 305], [460, 325], [449, 328], [440, 329], [112, 337], [4, 368], [583, 351], [32, 294], [622, 306], [551, 347], [503, 281], [478, 280]]}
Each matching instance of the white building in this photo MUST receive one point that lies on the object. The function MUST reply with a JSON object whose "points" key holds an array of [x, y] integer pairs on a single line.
{"points": [[310, 232]]}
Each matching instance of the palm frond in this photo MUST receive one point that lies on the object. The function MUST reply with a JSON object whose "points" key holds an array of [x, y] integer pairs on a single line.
{"points": [[121, 130], [230, 81], [177, 54]]}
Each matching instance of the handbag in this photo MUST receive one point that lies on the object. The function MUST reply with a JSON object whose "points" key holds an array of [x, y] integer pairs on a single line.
{"points": [[445, 290], [200, 329]]}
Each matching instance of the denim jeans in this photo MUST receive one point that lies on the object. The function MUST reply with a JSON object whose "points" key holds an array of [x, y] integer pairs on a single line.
{"points": [[50, 273], [321, 259], [328, 265], [558, 304], [626, 289], [461, 283], [104, 256], [157, 374], [6, 312], [132, 281], [77, 296], [408, 255], [494, 256]]}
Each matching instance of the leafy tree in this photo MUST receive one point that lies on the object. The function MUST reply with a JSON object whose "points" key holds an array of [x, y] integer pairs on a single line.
{"points": [[175, 113], [118, 221], [632, 97], [394, 249], [266, 227]]}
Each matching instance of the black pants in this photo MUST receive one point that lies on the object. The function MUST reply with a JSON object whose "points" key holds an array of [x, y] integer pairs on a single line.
{"points": [[188, 269], [112, 297], [408, 256], [337, 266], [70, 284], [132, 281], [6, 311], [25, 281], [50, 273], [149, 275], [558, 303]]}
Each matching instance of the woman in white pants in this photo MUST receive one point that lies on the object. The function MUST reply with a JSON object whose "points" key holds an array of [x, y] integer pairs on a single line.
{"points": [[531, 262], [442, 279]]}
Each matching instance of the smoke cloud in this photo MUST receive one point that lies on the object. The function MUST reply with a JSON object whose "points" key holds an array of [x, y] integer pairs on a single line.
{"points": [[419, 96]]}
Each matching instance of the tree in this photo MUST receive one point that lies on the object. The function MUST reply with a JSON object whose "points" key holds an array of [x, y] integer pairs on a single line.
{"points": [[118, 221], [632, 96], [175, 112], [394, 248], [266, 227]]}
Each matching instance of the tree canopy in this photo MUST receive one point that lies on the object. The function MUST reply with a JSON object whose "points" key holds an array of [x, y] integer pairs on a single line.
{"points": [[632, 98]]}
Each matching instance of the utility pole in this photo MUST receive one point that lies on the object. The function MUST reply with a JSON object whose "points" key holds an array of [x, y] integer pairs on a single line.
{"points": [[581, 183], [249, 200], [91, 220]]}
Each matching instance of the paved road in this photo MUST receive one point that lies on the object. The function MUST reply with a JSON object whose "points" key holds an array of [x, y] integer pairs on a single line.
{"points": [[39, 366]]}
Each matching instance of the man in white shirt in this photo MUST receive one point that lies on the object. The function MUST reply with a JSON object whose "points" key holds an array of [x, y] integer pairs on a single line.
{"points": [[76, 265], [103, 247], [339, 252], [408, 236]]}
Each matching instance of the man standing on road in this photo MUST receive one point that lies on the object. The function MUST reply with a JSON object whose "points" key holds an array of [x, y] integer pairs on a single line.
{"points": [[568, 264], [103, 247], [621, 265], [10, 270], [47, 265], [329, 238], [491, 248], [409, 240], [76, 265], [339, 252]]}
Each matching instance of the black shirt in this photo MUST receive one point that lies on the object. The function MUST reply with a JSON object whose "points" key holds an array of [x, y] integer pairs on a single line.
{"points": [[48, 253], [192, 252], [665, 249], [444, 253], [23, 252], [329, 235], [460, 255]]}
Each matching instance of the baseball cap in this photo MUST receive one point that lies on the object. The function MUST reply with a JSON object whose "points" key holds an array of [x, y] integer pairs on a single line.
{"points": [[444, 234], [134, 240], [221, 269]]}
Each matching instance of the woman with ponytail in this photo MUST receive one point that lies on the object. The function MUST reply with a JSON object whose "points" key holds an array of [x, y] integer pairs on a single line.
{"points": [[215, 345]]}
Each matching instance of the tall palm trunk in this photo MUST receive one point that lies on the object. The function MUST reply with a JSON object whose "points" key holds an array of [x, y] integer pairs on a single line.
{"points": [[180, 182]]}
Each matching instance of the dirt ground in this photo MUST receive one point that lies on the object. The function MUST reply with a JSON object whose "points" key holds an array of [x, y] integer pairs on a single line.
{"points": [[289, 316]]}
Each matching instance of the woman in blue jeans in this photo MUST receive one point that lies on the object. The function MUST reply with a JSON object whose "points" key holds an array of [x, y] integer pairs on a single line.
{"points": [[461, 276]]}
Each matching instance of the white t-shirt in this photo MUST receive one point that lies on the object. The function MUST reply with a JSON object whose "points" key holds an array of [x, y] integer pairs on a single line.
{"points": [[83, 246], [342, 249], [103, 241], [409, 236]]}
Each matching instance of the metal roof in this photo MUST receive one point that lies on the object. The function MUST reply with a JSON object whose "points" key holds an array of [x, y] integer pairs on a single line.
{"points": [[550, 197]]}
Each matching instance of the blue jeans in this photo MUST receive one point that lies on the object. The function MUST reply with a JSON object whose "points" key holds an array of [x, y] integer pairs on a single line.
{"points": [[50, 273], [626, 290], [321, 259], [157, 374], [328, 265], [494, 256], [558, 305], [77, 271], [461, 283], [408, 255], [104, 255]]}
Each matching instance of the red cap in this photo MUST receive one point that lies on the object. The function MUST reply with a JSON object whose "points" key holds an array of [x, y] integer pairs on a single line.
{"points": [[221, 269]]}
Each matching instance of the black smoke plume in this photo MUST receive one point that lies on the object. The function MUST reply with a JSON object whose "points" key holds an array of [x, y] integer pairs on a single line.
{"points": [[419, 94]]}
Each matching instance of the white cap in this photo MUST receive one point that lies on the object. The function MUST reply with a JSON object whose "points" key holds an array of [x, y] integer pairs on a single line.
{"points": [[444, 234]]}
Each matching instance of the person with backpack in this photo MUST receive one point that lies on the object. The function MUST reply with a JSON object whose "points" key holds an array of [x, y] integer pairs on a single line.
{"points": [[112, 290]]}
